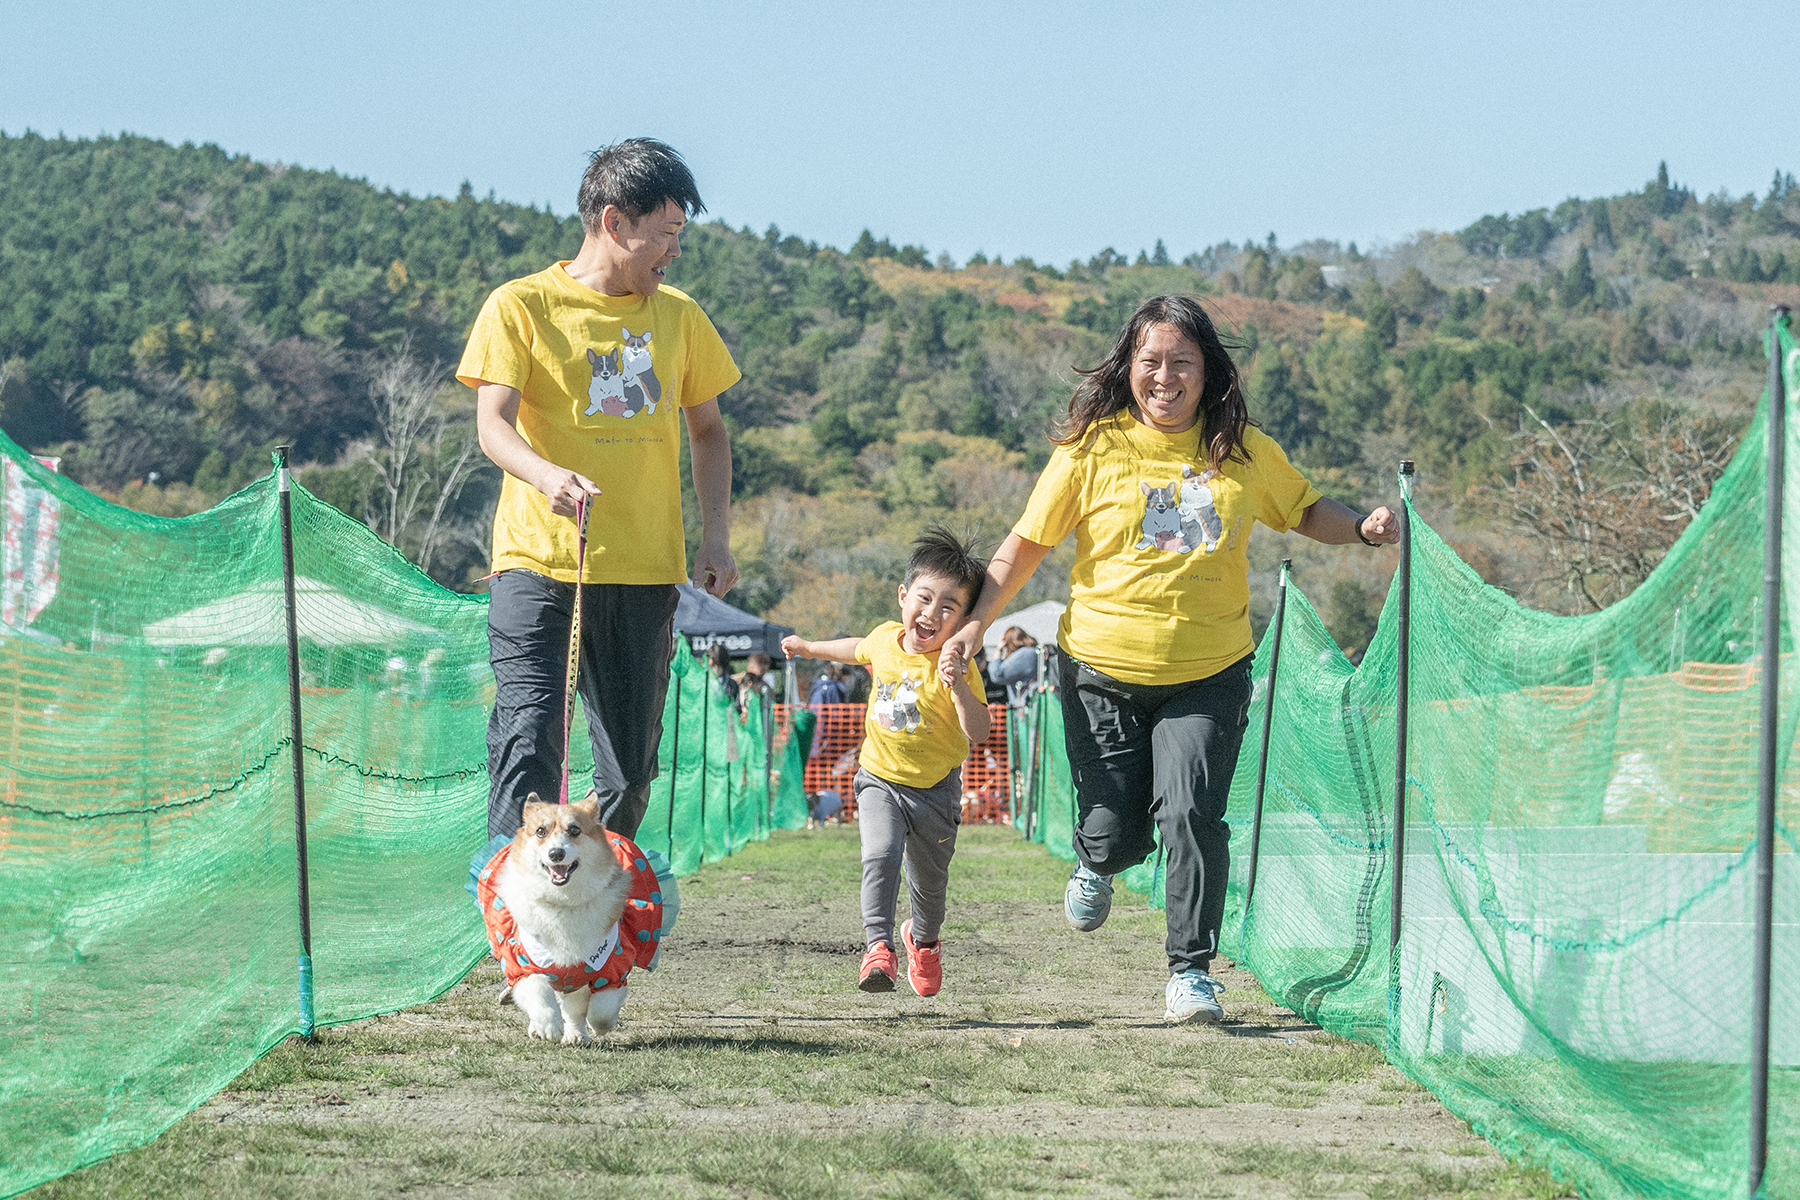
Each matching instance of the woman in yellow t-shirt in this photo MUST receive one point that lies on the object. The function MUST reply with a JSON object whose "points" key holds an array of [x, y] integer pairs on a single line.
{"points": [[1159, 473]]}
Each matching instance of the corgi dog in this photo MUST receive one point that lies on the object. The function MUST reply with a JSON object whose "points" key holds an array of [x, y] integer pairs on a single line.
{"points": [[570, 909], [606, 391]]}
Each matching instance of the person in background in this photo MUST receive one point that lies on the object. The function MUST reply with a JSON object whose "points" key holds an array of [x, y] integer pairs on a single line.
{"points": [[1016, 668], [719, 661], [856, 683], [754, 685], [826, 687]]}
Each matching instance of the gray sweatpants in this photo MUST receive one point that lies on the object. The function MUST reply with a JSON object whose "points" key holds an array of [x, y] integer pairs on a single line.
{"points": [[917, 825]]}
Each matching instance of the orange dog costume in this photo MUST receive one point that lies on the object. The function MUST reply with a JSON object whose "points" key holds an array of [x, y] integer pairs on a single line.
{"points": [[632, 942]]}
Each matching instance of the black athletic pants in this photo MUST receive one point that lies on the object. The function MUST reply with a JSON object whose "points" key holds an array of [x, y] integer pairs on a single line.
{"points": [[626, 640], [1147, 757]]}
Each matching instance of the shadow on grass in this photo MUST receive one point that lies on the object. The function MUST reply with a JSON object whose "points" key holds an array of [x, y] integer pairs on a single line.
{"points": [[921, 1020]]}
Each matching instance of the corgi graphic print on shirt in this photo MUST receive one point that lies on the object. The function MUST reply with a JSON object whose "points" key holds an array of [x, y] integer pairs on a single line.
{"points": [[1200, 524], [1181, 517], [1162, 519], [897, 703], [624, 382], [606, 392], [642, 388]]}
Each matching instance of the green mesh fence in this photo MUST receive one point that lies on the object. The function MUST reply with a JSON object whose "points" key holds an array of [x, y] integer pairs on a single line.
{"points": [[149, 935], [1575, 975]]}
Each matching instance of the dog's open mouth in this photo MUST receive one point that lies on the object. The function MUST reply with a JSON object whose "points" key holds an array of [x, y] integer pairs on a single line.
{"points": [[559, 872]]}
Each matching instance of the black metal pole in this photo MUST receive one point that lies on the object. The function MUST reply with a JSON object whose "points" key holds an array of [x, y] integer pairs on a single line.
{"points": [[1403, 662], [706, 678], [1262, 762], [284, 488], [769, 758], [675, 767], [1770, 782]]}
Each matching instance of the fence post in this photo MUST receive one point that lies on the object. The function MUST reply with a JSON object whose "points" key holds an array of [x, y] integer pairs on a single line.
{"points": [[1262, 762], [1769, 752], [1403, 662], [768, 716], [675, 766], [706, 678], [284, 487]]}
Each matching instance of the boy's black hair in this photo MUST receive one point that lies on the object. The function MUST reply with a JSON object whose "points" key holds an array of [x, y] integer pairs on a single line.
{"points": [[636, 176], [940, 552]]}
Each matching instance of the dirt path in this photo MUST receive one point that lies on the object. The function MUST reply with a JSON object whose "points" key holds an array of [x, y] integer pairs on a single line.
{"points": [[1042, 1069]]}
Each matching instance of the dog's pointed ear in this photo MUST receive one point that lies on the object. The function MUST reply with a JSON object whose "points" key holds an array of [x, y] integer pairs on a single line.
{"points": [[589, 807], [531, 798]]}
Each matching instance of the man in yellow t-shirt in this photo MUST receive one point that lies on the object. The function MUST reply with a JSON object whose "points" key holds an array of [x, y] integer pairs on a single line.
{"points": [[927, 710], [579, 373]]}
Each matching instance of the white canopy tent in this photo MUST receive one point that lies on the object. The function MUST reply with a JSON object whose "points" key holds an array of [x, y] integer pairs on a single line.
{"points": [[257, 617], [1040, 621]]}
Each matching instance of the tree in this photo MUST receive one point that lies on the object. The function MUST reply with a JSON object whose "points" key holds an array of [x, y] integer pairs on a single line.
{"points": [[1383, 322], [1601, 216], [421, 460], [1160, 256], [1577, 281], [1606, 497]]}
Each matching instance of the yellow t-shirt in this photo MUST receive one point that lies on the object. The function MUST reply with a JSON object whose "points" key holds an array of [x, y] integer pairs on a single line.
{"points": [[601, 378], [1160, 590], [911, 734]]}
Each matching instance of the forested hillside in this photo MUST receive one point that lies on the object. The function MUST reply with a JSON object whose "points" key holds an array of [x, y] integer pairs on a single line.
{"points": [[1569, 379]]}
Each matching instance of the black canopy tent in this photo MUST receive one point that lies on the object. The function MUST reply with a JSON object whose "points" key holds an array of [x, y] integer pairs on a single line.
{"points": [[706, 621]]}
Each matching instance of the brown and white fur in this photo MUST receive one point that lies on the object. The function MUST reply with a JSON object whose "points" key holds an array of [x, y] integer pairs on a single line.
{"points": [[566, 889]]}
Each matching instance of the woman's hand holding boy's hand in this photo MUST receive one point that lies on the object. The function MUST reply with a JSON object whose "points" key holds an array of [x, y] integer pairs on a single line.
{"points": [[952, 666], [958, 652]]}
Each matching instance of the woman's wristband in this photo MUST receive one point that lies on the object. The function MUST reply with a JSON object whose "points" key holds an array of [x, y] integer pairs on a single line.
{"points": [[1360, 536]]}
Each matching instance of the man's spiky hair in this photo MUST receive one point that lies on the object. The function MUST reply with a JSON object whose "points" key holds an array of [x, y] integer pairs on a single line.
{"points": [[636, 176]]}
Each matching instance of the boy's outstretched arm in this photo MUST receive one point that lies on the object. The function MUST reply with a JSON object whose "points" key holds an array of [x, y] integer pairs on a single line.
{"points": [[837, 650]]}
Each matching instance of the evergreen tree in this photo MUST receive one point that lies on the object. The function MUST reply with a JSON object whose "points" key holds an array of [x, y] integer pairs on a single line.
{"points": [[864, 246], [1577, 281], [1601, 216], [1160, 256]]}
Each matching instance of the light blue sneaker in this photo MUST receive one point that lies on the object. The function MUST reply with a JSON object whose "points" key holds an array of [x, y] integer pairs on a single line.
{"points": [[1193, 996], [1087, 899]]}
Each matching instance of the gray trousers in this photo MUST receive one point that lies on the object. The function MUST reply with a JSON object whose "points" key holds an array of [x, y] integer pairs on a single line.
{"points": [[1150, 757], [626, 641], [917, 825]]}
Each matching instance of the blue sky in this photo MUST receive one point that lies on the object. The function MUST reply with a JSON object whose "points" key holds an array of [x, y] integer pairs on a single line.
{"points": [[1048, 129]]}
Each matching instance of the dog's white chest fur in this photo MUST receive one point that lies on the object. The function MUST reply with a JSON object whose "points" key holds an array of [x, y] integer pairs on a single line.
{"points": [[575, 923]]}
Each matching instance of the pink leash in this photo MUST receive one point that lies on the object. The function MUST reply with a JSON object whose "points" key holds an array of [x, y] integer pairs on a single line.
{"points": [[581, 514]]}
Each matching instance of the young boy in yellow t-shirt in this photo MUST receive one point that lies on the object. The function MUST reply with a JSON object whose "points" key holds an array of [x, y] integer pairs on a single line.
{"points": [[926, 709]]}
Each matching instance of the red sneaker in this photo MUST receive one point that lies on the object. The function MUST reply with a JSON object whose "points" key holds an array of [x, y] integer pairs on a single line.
{"points": [[879, 968], [924, 964]]}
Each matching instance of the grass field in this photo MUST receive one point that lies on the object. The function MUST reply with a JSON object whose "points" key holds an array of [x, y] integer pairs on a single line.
{"points": [[749, 1066]]}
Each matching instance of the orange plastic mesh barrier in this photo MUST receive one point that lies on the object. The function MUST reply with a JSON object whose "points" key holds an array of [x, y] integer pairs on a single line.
{"points": [[837, 744]]}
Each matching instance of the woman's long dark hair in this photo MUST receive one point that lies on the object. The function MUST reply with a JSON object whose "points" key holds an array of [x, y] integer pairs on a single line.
{"points": [[1107, 388]]}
